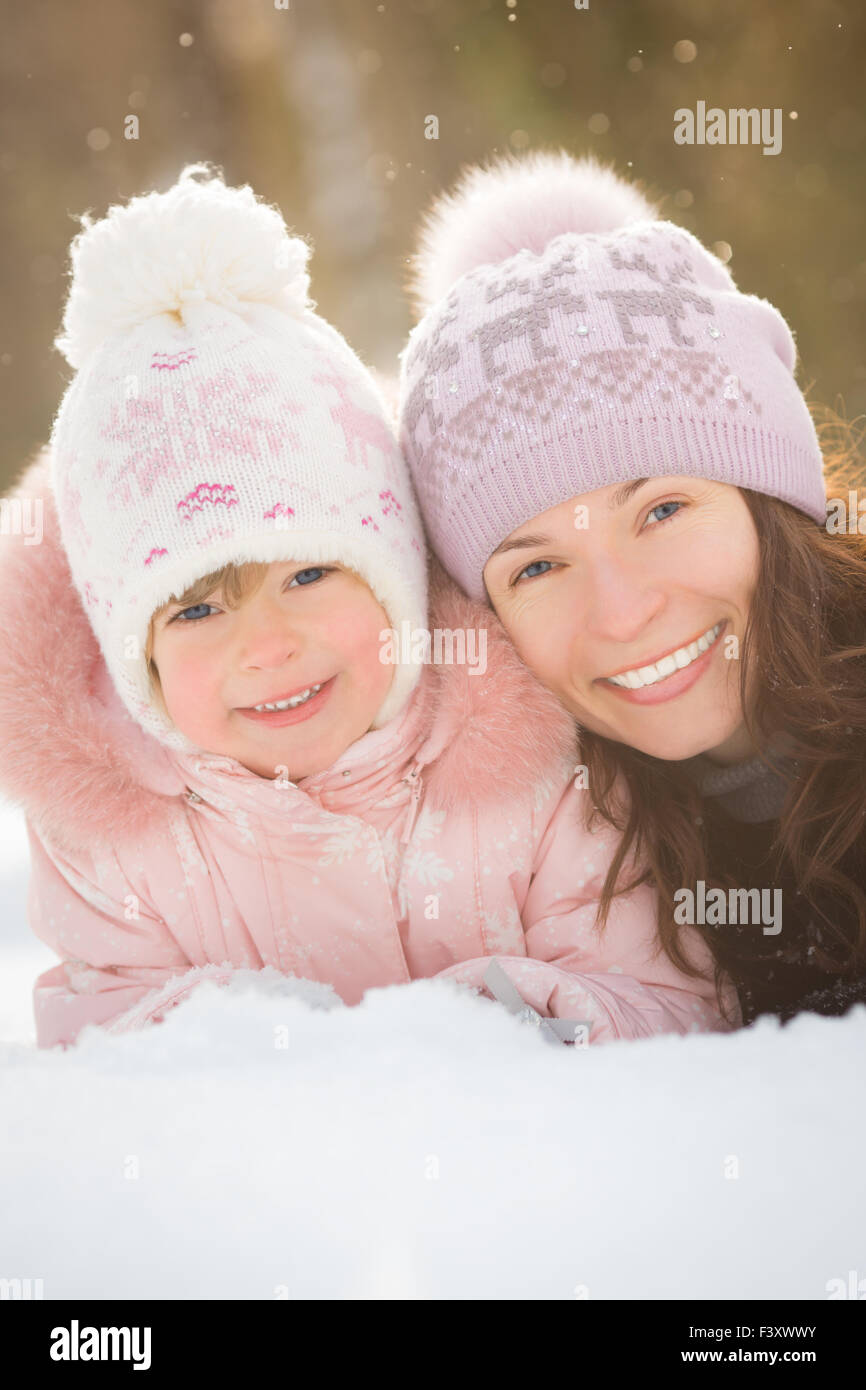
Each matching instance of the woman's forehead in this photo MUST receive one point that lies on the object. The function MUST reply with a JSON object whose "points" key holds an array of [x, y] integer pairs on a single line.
{"points": [[611, 498]]}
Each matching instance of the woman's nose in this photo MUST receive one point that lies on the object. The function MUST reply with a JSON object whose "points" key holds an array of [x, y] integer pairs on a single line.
{"points": [[619, 600]]}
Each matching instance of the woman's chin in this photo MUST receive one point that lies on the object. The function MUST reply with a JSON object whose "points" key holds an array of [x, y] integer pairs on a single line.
{"points": [[679, 744], [674, 730], [674, 743]]}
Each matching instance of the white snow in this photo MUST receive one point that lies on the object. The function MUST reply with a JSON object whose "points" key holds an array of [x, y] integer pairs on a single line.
{"points": [[423, 1145]]}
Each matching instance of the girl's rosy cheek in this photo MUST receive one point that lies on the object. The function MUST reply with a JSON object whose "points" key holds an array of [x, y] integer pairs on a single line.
{"points": [[189, 679], [355, 632]]}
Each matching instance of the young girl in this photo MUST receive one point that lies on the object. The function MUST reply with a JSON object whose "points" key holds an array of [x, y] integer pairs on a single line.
{"points": [[225, 759], [619, 459]]}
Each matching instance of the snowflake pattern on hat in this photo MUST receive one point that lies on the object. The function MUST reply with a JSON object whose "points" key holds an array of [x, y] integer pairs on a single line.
{"points": [[601, 358]]}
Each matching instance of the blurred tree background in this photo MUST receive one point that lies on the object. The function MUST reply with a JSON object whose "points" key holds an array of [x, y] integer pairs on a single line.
{"points": [[322, 106]]}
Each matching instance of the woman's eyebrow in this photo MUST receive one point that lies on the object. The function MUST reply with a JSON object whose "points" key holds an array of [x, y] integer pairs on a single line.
{"points": [[521, 543], [617, 499], [622, 494]]}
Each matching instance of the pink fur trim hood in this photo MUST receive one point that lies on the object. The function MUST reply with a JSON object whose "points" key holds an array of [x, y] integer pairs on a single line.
{"points": [[86, 774]]}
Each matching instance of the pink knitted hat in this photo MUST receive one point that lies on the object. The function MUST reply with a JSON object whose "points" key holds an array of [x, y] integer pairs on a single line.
{"points": [[215, 418], [570, 340]]}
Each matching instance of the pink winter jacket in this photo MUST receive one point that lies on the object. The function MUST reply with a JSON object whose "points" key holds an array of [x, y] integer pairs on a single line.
{"points": [[451, 835]]}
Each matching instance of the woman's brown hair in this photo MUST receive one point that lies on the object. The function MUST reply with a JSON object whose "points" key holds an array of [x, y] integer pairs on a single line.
{"points": [[803, 656]]}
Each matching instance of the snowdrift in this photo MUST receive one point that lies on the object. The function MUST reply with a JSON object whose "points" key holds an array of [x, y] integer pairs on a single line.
{"points": [[267, 1142]]}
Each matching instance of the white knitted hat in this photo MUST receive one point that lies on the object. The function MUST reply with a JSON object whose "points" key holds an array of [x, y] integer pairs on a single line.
{"points": [[215, 418]]}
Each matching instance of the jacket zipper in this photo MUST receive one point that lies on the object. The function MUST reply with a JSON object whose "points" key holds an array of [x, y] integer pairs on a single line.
{"points": [[413, 779]]}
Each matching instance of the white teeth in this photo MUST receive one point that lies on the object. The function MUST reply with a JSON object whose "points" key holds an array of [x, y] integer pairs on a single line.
{"points": [[676, 661], [295, 699]]}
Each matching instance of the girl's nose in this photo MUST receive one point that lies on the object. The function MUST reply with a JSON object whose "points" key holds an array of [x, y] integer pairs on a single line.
{"points": [[267, 638], [619, 599]]}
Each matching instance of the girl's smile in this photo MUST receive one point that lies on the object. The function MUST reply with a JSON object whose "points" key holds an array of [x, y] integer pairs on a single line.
{"points": [[297, 705]]}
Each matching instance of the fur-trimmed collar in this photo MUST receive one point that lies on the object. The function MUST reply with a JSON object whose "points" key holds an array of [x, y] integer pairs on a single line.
{"points": [[87, 775]]}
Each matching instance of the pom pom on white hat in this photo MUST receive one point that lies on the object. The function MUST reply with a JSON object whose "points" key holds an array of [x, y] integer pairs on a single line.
{"points": [[199, 241]]}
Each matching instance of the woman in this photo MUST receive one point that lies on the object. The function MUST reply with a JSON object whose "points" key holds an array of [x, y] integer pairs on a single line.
{"points": [[608, 444]]}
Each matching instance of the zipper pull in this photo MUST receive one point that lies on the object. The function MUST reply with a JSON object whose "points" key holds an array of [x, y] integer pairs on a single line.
{"points": [[414, 780]]}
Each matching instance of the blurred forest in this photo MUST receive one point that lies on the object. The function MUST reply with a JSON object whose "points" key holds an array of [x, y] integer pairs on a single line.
{"points": [[322, 106]]}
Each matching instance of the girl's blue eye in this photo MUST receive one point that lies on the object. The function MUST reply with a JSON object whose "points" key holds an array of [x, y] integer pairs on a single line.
{"points": [[661, 506], [307, 576], [314, 570], [194, 609], [533, 566]]}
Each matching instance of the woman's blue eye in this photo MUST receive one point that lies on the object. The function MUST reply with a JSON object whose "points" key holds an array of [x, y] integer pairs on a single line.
{"points": [[314, 570], [661, 506], [533, 566]]}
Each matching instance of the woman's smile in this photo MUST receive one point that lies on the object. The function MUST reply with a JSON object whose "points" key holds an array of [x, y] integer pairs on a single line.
{"points": [[668, 676]]}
